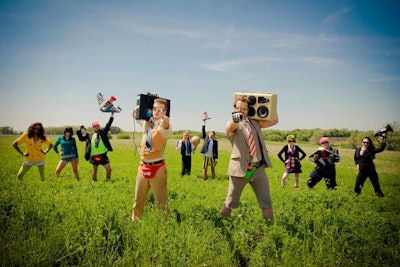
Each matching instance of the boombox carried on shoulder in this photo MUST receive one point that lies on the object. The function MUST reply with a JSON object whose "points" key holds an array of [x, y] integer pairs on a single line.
{"points": [[262, 106], [144, 106]]}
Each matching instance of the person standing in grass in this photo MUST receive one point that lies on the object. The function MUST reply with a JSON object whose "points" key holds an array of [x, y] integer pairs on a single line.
{"points": [[292, 160], [152, 171], [186, 149], [33, 139], [364, 159], [97, 146], [248, 160], [324, 158], [209, 150], [68, 153]]}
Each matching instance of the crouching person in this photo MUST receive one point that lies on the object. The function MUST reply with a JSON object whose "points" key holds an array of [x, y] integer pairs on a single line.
{"points": [[324, 158]]}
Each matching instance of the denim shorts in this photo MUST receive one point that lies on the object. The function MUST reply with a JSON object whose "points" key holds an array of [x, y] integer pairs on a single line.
{"points": [[69, 158]]}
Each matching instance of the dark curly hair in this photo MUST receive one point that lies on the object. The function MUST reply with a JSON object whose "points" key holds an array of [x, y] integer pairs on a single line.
{"points": [[39, 127]]}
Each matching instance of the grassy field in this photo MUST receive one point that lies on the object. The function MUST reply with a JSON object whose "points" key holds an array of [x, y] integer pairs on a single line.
{"points": [[63, 222]]}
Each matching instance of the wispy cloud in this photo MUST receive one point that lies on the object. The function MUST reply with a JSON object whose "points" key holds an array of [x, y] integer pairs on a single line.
{"points": [[332, 17], [229, 65], [294, 41], [320, 61], [385, 79], [138, 28], [227, 40], [232, 65]]}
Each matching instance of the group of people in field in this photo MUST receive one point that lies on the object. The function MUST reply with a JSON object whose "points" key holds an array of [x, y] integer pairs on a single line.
{"points": [[325, 158], [248, 160], [34, 139]]}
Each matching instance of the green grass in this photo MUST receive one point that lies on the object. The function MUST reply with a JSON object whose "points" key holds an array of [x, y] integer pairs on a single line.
{"points": [[63, 222]]}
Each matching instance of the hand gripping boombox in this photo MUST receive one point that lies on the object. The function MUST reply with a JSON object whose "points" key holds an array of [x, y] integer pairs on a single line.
{"points": [[262, 106], [144, 106]]}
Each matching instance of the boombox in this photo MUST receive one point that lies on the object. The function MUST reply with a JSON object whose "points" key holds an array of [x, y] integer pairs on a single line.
{"points": [[144, 106], [262, 106]]}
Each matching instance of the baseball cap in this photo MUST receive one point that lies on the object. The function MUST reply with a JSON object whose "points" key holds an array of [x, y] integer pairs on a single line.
{"points": [[324, 140], [95, 123]]}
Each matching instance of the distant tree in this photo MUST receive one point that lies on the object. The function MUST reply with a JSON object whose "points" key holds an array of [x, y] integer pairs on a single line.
{"points": [[115, 130], [394, 137], [273, 137], [317, 134], [6, 130]]}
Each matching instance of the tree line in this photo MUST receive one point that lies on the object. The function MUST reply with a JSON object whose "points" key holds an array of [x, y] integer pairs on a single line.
{"points": [[344, 137]]}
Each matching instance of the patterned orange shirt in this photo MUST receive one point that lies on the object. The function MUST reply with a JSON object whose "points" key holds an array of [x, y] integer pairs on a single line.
{"points": [[34, 149]]}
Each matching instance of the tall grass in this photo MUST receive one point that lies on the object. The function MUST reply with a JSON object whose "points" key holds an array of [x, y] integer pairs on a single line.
{"points": [[63, 222]]}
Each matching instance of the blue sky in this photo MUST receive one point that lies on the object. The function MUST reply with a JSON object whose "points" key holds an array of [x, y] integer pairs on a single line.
{"points": [[333, 64]]}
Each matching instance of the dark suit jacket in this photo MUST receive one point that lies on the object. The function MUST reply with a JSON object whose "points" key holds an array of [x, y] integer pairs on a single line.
{"points": [[103, 135], [240, 155], [183, 148], [204, 148], [366, 161]]}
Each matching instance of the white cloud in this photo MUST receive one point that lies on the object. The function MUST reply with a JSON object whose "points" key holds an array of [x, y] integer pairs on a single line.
{"points": [[335, 16], [230, 65], [138, 28], [320, 61]]}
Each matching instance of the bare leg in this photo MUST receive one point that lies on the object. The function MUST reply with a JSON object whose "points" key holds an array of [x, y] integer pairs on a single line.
{"points": [[108, 171], [205, 176], [41, 171], [284, 178], [225, 212], [75, 168], [296, 180], [213, 172], [60, 167], [94, 172], [22, 171]]}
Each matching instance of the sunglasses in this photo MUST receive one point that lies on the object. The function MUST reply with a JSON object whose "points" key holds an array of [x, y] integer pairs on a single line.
{"points": [[367, 143], [36, 128], [158, 109], [323, 143]]}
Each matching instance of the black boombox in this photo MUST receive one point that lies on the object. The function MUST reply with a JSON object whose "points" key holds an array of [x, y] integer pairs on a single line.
{"points": [[144, 106], [262, 106]]}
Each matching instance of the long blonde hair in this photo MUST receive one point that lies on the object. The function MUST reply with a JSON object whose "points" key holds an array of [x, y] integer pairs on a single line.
{"points": [[186, 132]]}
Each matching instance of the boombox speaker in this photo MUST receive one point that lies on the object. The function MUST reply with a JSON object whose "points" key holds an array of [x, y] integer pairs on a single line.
{"points": [[144, 105], [262, 106]]}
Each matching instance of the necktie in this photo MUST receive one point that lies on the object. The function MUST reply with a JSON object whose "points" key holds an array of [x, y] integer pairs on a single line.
{"points": [[149, 136], [188, 147], [252, 143], [97, 140]]}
